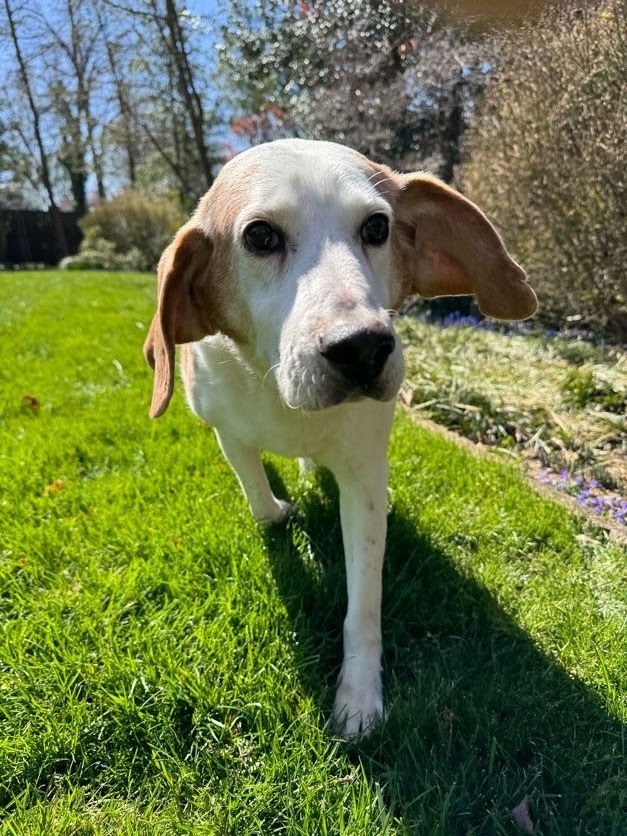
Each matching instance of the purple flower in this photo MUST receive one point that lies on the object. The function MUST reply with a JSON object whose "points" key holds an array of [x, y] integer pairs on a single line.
{"points": [[587, 494]]}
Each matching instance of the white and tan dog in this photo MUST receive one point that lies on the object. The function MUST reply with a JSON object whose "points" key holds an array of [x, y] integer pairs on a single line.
{"points": [[282, 287]]}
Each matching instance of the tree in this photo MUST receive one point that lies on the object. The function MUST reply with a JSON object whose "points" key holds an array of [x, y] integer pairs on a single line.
{"points": [[166, 69], [60, 48], [122, 93], [35, 114], [175, 41], [116, 93], [393, 79], [71, 47], [17, 177]]}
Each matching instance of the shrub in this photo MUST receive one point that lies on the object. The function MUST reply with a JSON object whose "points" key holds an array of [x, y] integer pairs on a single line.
{"points": [[548, 159], [99, 254], [128, 232], [582, 389]]}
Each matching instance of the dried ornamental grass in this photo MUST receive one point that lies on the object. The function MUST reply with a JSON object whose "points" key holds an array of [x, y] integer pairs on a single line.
{"points": [[548, 160]]}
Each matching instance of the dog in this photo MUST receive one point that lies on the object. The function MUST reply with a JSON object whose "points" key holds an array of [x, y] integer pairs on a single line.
{"points": [[282, 289]]}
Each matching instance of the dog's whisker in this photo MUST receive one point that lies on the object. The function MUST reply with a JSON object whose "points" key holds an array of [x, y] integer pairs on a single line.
{"points": [[272, 369], [376, 174], [374, 182], [293, 407]]}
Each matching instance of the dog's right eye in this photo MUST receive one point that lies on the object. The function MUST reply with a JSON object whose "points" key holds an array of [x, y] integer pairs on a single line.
{"points": [[375, 230], [262, 239]]}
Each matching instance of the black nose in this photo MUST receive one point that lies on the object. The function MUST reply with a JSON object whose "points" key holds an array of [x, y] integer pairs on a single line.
{"points": [[359, 356]]}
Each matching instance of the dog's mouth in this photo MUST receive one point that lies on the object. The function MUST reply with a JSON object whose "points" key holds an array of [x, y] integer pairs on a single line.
{"points": [[376, 391], [335, 391]]}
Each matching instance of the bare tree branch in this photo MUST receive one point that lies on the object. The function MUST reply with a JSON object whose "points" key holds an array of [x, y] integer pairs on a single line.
{"points": [[34, 110]]}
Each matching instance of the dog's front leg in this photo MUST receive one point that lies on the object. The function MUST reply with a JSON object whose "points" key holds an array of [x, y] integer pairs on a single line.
{"points": [[250, 472], [363, 510]]}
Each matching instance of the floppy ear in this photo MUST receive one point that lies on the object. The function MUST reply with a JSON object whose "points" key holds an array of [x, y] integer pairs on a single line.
{"points": [[445, 246], [186, 310]]}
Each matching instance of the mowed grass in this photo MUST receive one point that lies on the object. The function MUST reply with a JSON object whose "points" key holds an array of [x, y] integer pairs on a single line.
{"points": [[166, 666]]}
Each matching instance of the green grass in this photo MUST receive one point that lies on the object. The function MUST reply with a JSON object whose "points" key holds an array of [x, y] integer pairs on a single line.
{"points": [[167, 667]]}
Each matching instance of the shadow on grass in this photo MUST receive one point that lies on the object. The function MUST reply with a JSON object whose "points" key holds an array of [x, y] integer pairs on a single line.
{"points": [[478, 717]]}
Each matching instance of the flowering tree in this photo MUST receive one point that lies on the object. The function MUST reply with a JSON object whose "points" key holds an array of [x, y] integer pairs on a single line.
{"points": [[394, 80]]}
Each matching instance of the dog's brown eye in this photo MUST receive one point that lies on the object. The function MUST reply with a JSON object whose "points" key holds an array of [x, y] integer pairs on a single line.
{"points": [[261, 238], [375, 230]]}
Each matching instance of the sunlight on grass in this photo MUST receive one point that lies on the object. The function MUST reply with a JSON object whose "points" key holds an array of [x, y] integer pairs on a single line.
{"points": [[166, 666]]}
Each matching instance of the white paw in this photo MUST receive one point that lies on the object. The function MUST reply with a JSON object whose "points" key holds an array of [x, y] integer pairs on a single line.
{"points": [[280, 512], [358, 706]]}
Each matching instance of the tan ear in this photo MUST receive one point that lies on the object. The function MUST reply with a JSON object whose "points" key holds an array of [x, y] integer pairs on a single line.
{"points": [[186, 310], [445, 246]]}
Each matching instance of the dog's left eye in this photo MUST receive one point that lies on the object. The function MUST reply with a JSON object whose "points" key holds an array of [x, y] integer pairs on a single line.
{"points": [[261, 238], [375, 230]]}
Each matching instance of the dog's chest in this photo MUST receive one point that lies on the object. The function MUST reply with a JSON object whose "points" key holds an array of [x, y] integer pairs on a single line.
{"points": [[224, 393]]}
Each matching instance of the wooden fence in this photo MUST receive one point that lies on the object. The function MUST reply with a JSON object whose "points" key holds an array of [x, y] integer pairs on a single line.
{"points": [[27, 237]]}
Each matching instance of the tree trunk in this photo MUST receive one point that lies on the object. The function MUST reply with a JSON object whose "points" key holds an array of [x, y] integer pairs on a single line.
{"points": [[125, 111], [79, 62], [60, 242], [187, 88], [452, 131]]}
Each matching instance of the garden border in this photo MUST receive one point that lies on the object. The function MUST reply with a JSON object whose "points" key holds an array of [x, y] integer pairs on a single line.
{"points": [[616, 532]]}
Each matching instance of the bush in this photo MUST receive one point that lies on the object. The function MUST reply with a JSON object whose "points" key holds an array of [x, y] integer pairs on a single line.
{"points": [[99, 254], [548, 159], [582, 389], [127, 233]]}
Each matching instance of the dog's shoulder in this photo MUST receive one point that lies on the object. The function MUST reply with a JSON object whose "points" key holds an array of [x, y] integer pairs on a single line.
{"points": [[215, 365], [225, 391]]}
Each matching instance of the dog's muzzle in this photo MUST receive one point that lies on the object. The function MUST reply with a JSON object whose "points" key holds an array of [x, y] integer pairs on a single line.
{"points": [[358, 357]]}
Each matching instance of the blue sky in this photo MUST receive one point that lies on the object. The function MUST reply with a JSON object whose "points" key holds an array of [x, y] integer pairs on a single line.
{"points": [[209, 10]]}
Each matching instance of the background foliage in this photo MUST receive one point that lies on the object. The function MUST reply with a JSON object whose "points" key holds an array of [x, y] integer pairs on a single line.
{"points": [[129, 231], [395, 80], [154, 96], [547, 160]]}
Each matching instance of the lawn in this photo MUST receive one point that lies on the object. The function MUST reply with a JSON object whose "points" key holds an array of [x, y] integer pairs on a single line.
{"points": [[167, 667]]}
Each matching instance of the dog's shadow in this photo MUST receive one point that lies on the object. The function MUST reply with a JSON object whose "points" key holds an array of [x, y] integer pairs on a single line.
{"points": [[477, 716]]}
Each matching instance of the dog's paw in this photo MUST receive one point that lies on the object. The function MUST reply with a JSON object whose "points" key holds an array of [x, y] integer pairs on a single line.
{"points": [[358, 707], [280, 512]]}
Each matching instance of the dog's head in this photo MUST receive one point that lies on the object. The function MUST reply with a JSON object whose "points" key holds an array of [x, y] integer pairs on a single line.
{"points": [[301, 252]]}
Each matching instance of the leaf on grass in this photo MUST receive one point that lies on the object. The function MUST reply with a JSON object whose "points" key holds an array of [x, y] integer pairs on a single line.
{"points": [[31, 402], [521, 815], [406, 395], [446, 720], [585, 540], [54, 487], [344, 779]]}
